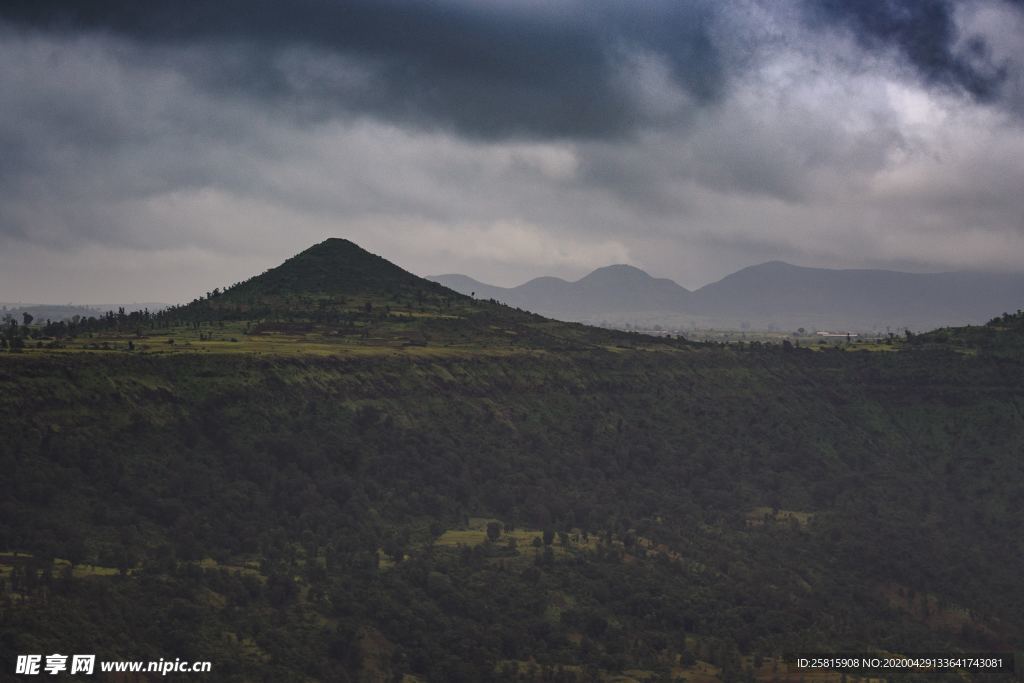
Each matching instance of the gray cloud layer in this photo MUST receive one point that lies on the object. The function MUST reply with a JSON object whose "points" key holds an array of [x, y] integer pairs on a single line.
{"points": [[181, 150], [925, 34], [486, 69]]}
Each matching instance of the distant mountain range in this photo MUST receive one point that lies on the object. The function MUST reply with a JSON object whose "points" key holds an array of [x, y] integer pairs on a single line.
{"points": [[773, 295]]}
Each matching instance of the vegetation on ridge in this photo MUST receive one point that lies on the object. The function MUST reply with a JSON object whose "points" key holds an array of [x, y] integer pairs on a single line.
{"points": [[332, 298], [563, 510]]}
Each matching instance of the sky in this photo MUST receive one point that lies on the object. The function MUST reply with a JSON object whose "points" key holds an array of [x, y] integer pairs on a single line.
{"points": [[152, 151]]}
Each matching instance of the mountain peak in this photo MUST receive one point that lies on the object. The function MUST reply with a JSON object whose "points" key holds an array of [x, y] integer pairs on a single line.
{"points": [[773, 266], [336, 293], [335, 266], [617, 274]]}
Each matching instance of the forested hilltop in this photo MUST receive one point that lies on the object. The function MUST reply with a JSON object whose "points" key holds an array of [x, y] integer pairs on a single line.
{"points": [[355, 476], [333, 298]]}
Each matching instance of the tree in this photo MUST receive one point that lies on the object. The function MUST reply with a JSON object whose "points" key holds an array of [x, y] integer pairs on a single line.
{"points": [[27, 318], [394, 547]]}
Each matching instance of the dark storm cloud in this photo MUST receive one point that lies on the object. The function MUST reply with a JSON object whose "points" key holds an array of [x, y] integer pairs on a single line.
{"points": [[484, 69], [924, 33], [184, 145]]}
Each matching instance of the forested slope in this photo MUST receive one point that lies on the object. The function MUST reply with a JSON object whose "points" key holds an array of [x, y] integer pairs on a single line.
{"points": [[295, 518]]}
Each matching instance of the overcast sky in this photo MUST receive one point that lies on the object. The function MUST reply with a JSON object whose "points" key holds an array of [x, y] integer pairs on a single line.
{"points": [[151, 151]]}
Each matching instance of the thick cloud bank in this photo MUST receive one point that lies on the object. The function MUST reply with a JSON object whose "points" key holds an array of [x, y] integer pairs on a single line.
{"points": [[153, 150]]}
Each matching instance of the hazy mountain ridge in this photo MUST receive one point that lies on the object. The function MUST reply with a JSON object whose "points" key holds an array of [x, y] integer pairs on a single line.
{"points": [[612, 288], [772, 294]]}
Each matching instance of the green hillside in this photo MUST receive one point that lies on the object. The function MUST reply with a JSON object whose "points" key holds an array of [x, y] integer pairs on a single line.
{"points": [[339, 268], [334, 298], [559, 504], [1001, 336]]}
